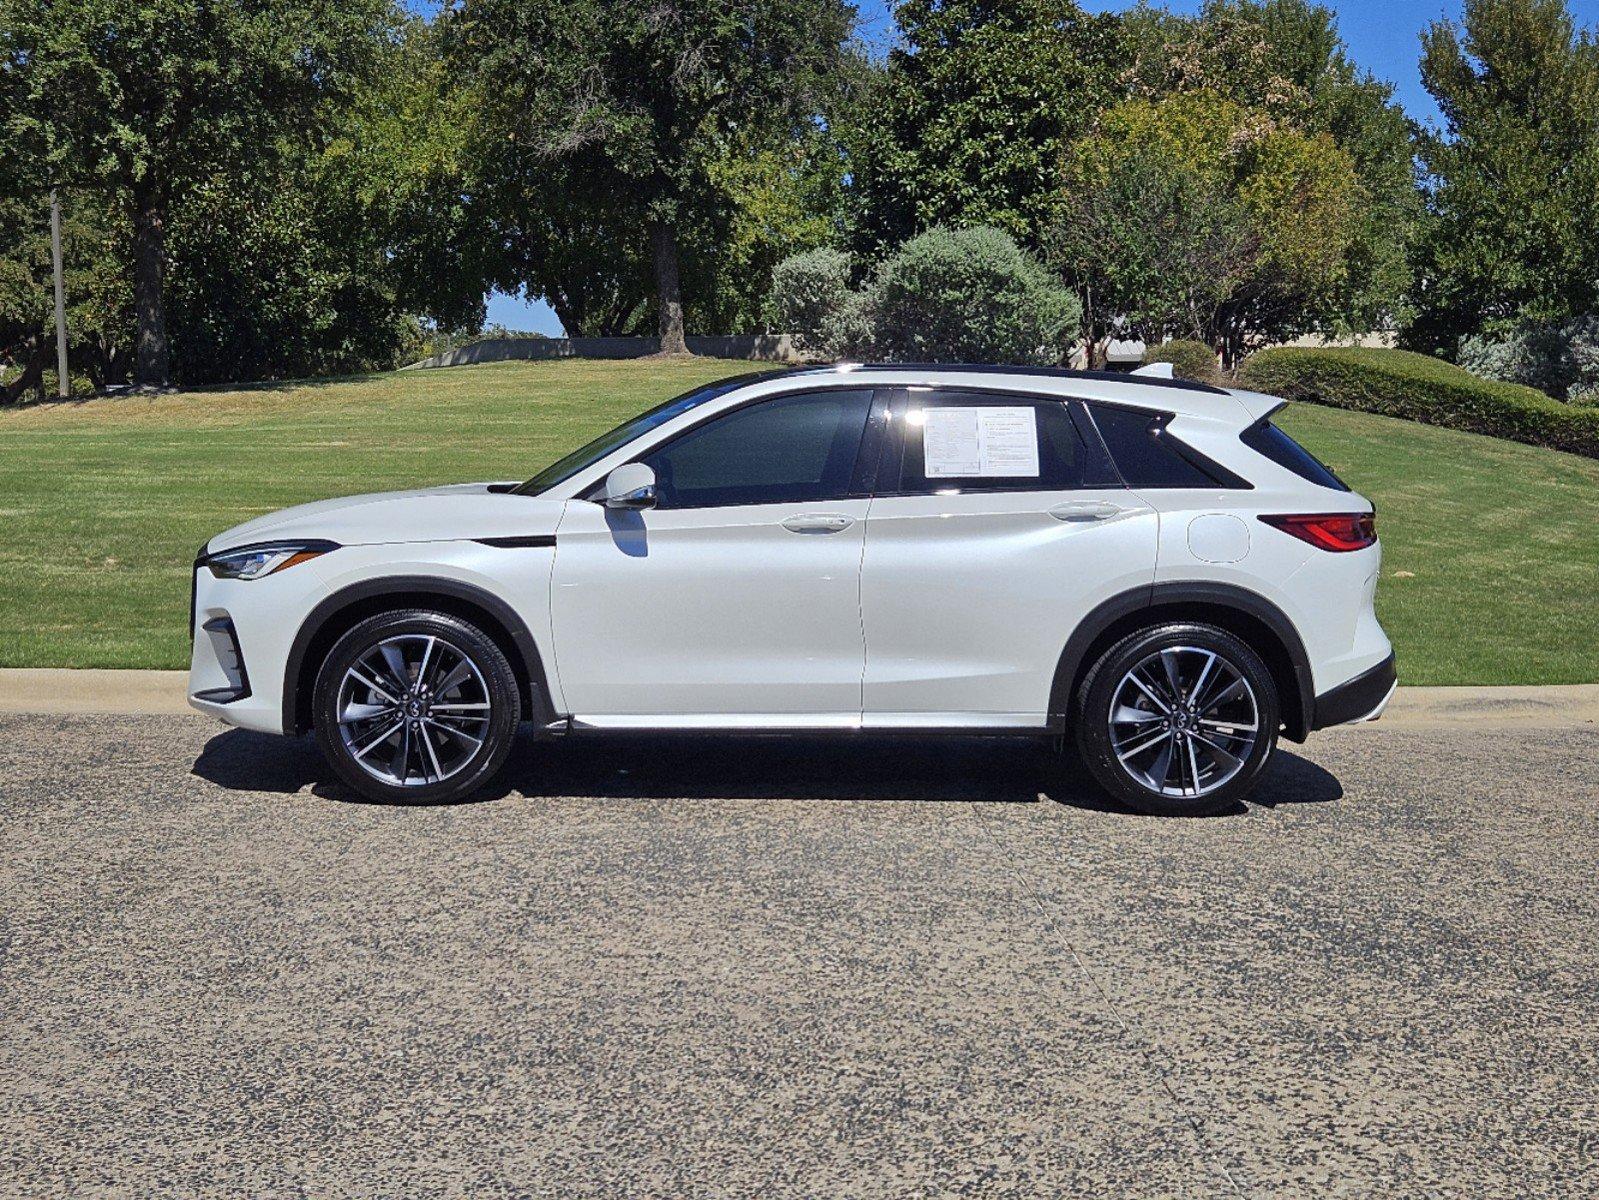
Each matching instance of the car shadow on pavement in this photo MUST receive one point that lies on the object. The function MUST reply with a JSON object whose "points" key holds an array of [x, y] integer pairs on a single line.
{"points": [[988, 770]]}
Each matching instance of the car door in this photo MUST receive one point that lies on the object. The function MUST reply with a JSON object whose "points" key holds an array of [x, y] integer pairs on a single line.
{"points": [[735, 600], [998, 523]]}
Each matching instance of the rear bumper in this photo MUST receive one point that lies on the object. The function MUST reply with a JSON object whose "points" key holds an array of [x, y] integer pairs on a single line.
{"points": [[1360, 699]]}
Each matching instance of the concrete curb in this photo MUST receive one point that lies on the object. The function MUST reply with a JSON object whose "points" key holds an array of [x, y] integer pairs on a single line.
{"points": [[154, 693]]}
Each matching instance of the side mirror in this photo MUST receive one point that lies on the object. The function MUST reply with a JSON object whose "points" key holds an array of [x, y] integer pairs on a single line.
{"points": [[631, 485]]}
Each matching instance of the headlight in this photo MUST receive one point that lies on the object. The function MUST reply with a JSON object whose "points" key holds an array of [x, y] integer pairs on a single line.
{"points": [[252, 562]]}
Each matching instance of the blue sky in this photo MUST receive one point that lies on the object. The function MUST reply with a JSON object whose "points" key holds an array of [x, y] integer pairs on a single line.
{"points": [[1383, 36]]}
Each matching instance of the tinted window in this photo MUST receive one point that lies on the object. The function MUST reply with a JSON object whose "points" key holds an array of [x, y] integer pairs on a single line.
{"points": [[1265, 438], [793, 449], [1145, 454], [966, 442]]}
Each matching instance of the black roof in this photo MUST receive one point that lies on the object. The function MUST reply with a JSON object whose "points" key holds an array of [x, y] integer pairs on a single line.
{"points": [[1186, 385]]}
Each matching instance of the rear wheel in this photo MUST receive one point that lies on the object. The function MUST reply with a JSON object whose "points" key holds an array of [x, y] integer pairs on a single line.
{"points": [[1178, 720], [415, 707]]}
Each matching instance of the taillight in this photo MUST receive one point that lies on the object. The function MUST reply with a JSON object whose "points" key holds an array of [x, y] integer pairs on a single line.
{"points": [[1337, 532]]}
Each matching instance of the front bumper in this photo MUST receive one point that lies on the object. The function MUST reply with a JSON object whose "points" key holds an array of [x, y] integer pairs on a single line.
{"points": [[242, 631], [1362, 698]]}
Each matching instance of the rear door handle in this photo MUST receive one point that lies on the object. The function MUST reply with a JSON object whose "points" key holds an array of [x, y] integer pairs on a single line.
{"points": [[818, 523], [1086, 510]]}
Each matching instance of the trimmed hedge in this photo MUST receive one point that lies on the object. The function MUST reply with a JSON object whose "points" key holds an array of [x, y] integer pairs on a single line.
{"points": [[1397, 383], [1189, 359]]}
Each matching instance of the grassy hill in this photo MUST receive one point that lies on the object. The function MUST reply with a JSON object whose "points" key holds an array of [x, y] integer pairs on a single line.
{"points": [[1492, 548]]}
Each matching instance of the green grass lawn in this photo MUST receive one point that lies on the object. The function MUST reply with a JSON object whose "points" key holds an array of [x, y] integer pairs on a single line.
{"points": [[1492, 548]]}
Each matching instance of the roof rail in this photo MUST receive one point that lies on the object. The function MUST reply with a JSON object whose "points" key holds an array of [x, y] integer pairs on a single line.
{"points": [[1186, 385]]}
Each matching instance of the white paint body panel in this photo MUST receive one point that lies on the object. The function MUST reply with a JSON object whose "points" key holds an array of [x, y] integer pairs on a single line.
{"points": [[712, 611], [963, 597]]}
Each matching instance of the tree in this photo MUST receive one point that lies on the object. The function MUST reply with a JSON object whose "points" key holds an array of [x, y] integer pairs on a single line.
{"points": [[1512, 180], [1199, 216], [99, 303], [143, 99], [1285, 60], [636, 100], [974, 112]]}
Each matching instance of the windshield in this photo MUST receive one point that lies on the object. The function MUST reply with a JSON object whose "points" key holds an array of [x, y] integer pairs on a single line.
{"points": [[564, 468]]}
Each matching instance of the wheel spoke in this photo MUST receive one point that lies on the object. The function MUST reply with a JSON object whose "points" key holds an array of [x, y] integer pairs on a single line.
{"points": [[363, 712], [459, 674], [1204, 677], [382, 737], [1169, 664], [427, 654], [1124, 714], [1232, 761], [433, 756], [1160, 769], [452, 731], [460, 707], [373, 687], [400, 762], [1228, 728], [395, 659], [1233, 689], [1154, 699], [1124, 755], [1193, 763]]}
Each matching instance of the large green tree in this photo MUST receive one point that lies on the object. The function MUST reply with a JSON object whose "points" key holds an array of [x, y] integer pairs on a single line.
{"points": [[970, 118], [1513, 177], [608, 118], [1285, 60], [143, 100], [1197, 216]]}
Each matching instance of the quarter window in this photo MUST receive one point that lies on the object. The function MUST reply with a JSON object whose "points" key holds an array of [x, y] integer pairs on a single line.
{"points": [[792, 449], [1149, 457], [1265, 438], [954, 442]]}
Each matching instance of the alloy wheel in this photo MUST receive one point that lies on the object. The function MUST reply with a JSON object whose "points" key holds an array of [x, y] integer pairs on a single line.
{"points": [[1183, 721], [413, 709]]}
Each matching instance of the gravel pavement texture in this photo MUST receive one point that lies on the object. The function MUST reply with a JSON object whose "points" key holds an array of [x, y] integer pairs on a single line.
{"points": [[708, 968]]}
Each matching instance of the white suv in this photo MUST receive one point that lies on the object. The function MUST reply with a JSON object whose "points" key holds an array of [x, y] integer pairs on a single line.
{"points": [[1148, 564]]}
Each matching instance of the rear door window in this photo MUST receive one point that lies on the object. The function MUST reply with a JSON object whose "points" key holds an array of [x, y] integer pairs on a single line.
{"points": [[955, 442]]}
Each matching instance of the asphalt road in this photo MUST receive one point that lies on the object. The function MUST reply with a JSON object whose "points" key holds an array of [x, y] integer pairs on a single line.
{"points": [[697, 968]]}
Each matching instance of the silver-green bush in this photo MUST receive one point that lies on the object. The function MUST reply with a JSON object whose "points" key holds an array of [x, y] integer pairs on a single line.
{"points": [[1561, 361], [948, 295], [968, 295], [808, 292]]}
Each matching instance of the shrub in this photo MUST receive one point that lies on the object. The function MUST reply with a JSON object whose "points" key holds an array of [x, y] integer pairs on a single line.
{"points": [[1397, 383], [1562, 360], [809, 292], [967, 295], [1190, 359]]}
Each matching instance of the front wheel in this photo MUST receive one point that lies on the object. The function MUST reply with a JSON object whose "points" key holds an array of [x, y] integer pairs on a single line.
{"points": [[415, 707], [1178, 720]]}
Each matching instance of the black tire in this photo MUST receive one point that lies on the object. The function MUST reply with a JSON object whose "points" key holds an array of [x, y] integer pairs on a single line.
{"points": [[441, 765], [1107, 677]]}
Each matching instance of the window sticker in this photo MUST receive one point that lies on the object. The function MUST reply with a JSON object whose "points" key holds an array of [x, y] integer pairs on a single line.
{"points": [[979, 442]]}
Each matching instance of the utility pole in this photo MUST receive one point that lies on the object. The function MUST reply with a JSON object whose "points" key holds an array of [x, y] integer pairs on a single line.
{"points": [[63, 387]]}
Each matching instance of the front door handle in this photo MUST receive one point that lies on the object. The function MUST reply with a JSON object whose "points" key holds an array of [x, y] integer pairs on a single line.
{"points": [[1086, 510], [818, 523]]}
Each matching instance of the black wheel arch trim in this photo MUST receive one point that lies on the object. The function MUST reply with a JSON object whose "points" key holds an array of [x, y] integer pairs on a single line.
{"points": [[1103, 616], [417, 588]]}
